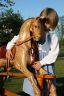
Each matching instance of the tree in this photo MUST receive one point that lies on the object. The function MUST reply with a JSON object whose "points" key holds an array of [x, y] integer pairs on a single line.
{"points": [[10, 23]]}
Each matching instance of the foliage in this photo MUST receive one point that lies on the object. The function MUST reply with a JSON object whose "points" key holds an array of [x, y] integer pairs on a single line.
{"points": [[10, 23], [6, 3]]}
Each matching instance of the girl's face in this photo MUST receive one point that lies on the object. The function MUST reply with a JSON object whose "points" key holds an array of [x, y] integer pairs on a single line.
{"points": [[48, 26]]}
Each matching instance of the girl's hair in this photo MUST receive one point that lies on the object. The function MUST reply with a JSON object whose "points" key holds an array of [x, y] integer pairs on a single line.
{"points": [[51, 16]]}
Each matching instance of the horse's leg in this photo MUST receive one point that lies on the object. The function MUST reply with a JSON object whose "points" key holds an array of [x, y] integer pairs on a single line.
{"points": [[40, 80], [30, 77], [51, 88], [21, 64]]}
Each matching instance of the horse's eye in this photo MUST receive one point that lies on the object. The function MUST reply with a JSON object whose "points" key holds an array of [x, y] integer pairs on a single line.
{"points": [[36, 26]]}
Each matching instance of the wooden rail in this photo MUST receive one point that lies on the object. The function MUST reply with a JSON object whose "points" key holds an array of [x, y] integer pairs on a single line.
{"points": [[22, 75], [9, 93]]}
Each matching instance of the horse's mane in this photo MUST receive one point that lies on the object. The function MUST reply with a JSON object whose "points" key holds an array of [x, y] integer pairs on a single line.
{"points": [[29, 18]]}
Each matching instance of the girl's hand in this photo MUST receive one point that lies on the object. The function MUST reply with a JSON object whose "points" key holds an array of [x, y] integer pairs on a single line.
{"points": [[36, 65]]}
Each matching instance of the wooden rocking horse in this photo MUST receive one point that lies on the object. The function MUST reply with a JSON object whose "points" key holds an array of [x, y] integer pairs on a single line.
{"points": [[25, 50]]}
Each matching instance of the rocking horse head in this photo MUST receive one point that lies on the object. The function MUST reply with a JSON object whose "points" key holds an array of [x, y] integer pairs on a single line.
{"points": [[36, 29], [31, 28]]}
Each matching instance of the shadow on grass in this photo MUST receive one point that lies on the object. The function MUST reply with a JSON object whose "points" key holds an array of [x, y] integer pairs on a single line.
{"points": [[60, 86]]}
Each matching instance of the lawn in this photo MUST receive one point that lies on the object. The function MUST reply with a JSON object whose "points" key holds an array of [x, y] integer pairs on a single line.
{"points": [[15, 83], [59, 66]]}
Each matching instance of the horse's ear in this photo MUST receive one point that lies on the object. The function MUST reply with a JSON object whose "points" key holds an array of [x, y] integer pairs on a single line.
{"points": [[34, 20], [37, 18]]}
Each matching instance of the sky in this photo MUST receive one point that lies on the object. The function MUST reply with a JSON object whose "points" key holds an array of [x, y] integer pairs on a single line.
{"points": [[32, 8]]}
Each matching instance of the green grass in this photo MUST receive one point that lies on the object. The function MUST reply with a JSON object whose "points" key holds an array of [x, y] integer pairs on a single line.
{"points": [[14, 84], [59, 67], [59, 70]]}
